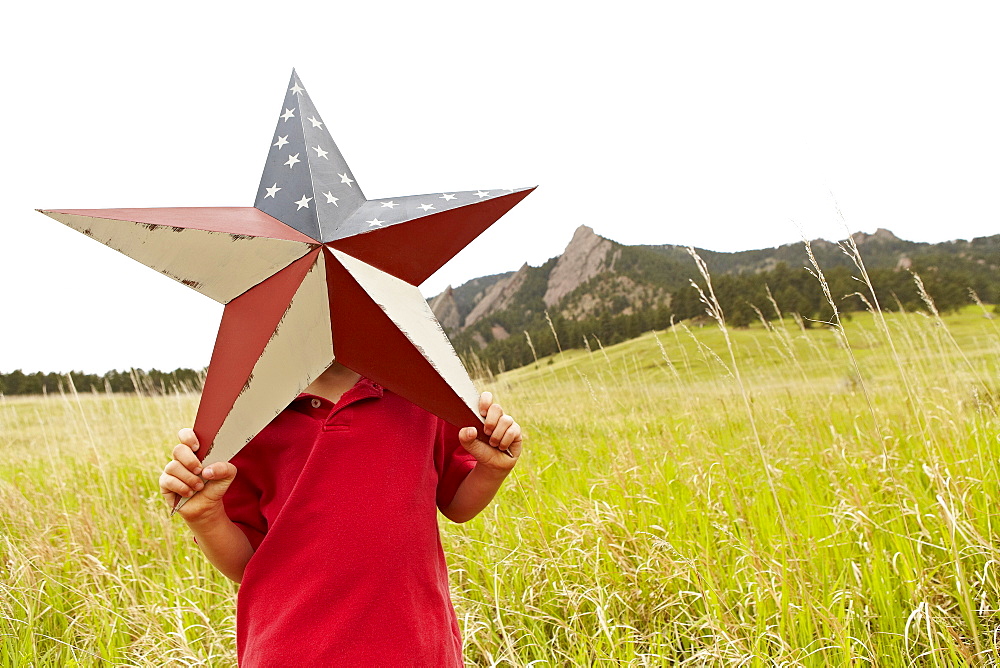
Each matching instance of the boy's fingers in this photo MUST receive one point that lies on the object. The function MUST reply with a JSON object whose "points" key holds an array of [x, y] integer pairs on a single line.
{"points": [[492, 416], [498, 439], [188, 438], [170, 484], [177, 470], [182, 453], [485, 401], [511, 436]]}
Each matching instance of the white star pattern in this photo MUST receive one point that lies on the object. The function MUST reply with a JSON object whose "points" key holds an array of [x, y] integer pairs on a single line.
{"points": [[510, 190], [311, 269], [481, 194]]}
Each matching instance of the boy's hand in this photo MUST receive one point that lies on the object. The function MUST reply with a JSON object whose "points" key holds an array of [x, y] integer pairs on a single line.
{"points": [[180, 477], [504, 433]]}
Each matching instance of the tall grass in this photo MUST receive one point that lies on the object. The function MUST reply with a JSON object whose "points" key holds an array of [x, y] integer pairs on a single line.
{"points": [[647, 524], [92, 570], [643, 530]]}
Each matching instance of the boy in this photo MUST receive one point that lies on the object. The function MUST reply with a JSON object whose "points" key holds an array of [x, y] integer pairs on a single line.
{"points": [[331, 525]]}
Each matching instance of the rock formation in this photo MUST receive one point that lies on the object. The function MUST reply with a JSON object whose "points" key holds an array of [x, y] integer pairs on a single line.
{"points": [[498, 296], [446, 310], [585, 257]]}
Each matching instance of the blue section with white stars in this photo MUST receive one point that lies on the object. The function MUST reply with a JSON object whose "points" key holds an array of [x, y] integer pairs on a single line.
{"points": [[307, 184], [375, 214]]}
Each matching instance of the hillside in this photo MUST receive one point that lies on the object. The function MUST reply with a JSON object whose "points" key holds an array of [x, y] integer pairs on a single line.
{"points": [[600, 289]]}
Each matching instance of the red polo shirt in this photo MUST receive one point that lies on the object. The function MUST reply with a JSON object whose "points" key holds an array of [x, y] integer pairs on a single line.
{"points": [[340, 502]]}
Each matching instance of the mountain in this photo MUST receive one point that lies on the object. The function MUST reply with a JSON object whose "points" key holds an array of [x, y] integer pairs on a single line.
{"points": [[601, 289]]}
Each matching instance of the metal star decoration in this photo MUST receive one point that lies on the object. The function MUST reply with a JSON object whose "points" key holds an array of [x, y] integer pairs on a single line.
{"points": [[312, 273]]}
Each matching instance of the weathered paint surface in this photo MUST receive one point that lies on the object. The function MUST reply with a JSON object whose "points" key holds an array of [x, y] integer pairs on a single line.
{"points": [[238, 220], [303, 161], [300, 350], [249, 323], [383, 329], [214, 263]]}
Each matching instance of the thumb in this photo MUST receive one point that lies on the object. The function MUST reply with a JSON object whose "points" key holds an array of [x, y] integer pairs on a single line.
{"points": [[218, 477], [467, 436]]}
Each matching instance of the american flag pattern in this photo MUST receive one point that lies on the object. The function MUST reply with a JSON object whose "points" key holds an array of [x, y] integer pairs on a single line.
{"points": [[313, 273]]}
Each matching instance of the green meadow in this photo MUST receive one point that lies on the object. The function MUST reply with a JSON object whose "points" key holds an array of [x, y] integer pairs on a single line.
{"points": [[777, 495]]}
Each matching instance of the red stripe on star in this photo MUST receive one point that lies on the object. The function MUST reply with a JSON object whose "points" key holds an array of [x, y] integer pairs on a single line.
{"points": [[249, 322]]}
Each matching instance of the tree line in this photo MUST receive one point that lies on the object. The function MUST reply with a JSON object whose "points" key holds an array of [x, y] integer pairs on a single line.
{"points": [[152, 382]]}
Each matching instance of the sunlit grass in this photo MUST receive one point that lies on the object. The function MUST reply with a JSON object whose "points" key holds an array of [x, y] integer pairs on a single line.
{"points": [[639, 528]]}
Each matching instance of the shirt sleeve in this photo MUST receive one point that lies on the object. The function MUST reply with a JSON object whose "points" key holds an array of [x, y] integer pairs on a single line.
{"points": [[242, 503], [453, 463]]}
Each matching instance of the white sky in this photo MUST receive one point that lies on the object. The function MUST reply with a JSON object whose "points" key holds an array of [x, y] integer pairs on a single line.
{"points": [[722, 125]]}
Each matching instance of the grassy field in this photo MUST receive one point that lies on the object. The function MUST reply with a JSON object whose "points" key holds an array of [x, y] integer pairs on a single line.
{"points": [[772, 496]]}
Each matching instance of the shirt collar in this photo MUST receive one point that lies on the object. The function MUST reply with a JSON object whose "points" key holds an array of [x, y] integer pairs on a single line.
{"points": [[363, 389]]}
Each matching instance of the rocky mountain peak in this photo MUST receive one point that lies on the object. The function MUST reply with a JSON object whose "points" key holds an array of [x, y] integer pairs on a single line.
{"points": [[584, 257], [881, 235], [445, 308]]}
